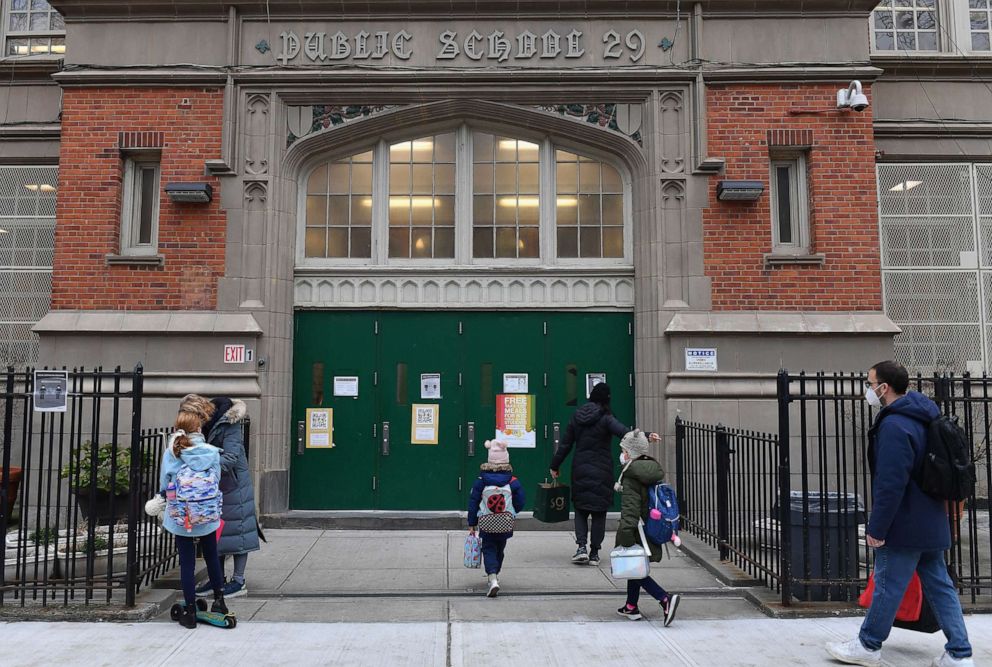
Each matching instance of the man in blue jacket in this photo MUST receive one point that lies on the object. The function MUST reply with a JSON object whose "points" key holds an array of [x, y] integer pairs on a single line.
{"points": [[908, 529]]}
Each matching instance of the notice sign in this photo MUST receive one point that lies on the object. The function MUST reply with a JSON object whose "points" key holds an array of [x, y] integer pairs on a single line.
{"points": [[50, 388], [236, 354], [424, 423], [430, 386], [515, 422], [592, 379], [514, 383], [320, 428], [700, 359], [346, 385]]}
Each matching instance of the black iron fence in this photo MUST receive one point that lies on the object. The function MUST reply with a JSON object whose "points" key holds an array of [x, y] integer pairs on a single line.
{"points": [[73, 485], [790, 508]]}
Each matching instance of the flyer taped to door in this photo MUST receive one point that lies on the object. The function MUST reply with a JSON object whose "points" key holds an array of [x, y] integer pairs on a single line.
{"points": [[515, 422]]}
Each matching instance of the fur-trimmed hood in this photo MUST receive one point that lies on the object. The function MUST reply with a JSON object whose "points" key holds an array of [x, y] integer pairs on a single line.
{"points": [[237, 413], [496, 467]]}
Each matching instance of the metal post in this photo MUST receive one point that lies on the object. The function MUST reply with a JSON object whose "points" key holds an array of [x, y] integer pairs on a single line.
{"points": [[5, 472], [723, 491], [784, 482], [137, 390], [680, 465]]}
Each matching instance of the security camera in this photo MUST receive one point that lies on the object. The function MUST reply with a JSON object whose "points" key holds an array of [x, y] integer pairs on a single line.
{"points": [[852, 97]]}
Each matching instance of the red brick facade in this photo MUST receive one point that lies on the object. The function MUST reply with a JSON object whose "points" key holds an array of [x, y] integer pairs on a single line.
{"points": [[96, 124], [742, 121]]}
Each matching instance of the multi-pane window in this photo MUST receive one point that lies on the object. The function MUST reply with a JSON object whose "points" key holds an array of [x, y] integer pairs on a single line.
{"points": [[139, 213], [339, 208], [27, 240], [506, 191], [33, 28], [789, 203], [464, 197], [905, 25], [589, 207], [979, 20], [422, 197]]}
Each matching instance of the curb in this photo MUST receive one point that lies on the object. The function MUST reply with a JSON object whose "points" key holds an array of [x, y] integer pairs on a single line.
{"points": [[150, 603]]}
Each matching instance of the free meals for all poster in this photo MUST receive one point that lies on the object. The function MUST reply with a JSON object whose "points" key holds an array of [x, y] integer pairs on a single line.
{"points": [[515, 424]]}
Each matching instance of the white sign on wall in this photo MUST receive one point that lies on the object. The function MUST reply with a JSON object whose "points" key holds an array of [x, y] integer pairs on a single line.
{"points": [[700, 359], [234, 354]]}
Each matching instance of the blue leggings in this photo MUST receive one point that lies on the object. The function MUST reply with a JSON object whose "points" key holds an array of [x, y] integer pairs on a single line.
{"points": [[650, 585], [187, 564]]}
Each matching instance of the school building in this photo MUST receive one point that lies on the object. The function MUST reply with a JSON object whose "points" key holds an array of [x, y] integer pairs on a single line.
{"points": [[396, 227]]}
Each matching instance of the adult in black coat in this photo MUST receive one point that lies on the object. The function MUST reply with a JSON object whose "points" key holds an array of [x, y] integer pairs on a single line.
{"points": [[590, 431]]}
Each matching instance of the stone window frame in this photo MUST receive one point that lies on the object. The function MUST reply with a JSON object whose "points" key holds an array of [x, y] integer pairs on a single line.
{"points": [[463, 223], [54, 37], [796, 161], [952, 21]]}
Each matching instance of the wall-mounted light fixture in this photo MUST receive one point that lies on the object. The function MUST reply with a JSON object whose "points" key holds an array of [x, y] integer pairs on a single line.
{"points": [[189, 193], [739, 190]]}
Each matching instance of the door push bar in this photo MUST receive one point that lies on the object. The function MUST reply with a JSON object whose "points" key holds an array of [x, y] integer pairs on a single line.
{"points": [[556, 427], [471, 438], [301, 436], [385, 438]]}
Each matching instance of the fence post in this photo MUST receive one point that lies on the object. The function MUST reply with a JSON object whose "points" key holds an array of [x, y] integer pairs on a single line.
{"points": [[784, 483], [137, 391], [8, 417], [723, 491], [680, 464]]}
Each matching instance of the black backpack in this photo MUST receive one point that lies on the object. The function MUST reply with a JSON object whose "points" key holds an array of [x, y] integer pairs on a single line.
{"points": [[947, 471]]}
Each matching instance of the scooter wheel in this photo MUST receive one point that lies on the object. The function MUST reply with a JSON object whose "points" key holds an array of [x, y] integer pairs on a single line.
{"points": [[201, 604], [175, 612], [231, 622]]}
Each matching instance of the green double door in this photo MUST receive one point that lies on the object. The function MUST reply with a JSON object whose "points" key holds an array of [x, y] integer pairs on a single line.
{"points": [[454, 363]]}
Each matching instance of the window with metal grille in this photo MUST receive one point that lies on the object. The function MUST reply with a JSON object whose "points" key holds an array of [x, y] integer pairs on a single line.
{"points": [[32, 28], [935, 229], [27, 241]]}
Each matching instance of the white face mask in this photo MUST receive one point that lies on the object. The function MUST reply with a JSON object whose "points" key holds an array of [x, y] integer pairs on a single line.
{"points": [[872, 398]]}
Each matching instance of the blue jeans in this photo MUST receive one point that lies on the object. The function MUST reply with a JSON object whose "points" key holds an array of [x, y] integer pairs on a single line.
{"points": [[647, 583], [492, 552], [893, 571], [187, 564]]}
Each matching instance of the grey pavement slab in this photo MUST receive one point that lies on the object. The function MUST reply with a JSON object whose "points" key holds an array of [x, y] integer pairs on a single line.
{"points": [[378, 552], [353, 610], [366, 581]]}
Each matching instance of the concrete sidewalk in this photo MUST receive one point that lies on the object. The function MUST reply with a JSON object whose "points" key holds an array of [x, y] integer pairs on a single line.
{"points": [[501, 643]]}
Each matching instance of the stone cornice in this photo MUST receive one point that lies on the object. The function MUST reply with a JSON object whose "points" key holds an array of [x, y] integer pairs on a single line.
{"points": [[33, 71], [31, 131], [131, 77], [936, 129], [172, 9], [914, 67]]}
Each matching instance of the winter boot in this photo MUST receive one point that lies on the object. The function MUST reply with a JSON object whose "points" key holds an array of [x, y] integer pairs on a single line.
{"points": [[188, 618], [219, 606]]}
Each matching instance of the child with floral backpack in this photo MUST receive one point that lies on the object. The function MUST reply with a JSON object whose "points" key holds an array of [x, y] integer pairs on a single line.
{"points": [[496, 498]]}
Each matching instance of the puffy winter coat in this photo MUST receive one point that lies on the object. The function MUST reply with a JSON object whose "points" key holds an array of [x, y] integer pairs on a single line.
{"points": [[494, 475], [590, 431], [240, 523], [643, 473], [199, 457], [902, 514]]}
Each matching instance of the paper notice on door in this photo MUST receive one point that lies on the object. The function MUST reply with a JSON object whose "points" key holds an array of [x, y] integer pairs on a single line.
{"points": [[345, 385], [515, 383], [515, 424], [424, 424], [320, 427], [430, 386], [592, 379]]}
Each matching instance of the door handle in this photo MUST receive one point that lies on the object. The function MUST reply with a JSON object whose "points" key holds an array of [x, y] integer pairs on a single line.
{"points": [[471, 438], [556, 428], [301, 436], [385, 438]]}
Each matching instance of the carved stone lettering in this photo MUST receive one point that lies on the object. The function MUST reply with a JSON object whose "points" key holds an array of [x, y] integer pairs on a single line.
{"points": [[362, 46], [612, 41], [635, 42], [526, 45], [340, 46], [381, 45], [449, 47], [499, 46], [550, 44], [574, 43], [401, 42], [290, 47], [313, 45], [472, 46]]}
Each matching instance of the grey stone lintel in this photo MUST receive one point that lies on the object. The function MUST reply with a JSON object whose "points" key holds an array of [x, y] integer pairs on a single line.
{"points": [[781, 323], [102, 322]]}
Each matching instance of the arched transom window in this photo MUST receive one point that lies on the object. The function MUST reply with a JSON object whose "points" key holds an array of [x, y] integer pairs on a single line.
{"points": [[466, 196]]}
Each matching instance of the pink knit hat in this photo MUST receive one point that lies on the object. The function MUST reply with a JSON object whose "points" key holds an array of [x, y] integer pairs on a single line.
{"points": [[497, 452]]}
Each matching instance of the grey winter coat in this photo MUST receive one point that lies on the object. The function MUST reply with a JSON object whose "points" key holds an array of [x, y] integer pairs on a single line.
{"points": [[240, 523], [590, 431]]}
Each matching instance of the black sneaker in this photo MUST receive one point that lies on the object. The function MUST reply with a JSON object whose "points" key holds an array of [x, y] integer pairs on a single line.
{"points": [[669, 606], [631, 614], [594, 557], [581, 556]]}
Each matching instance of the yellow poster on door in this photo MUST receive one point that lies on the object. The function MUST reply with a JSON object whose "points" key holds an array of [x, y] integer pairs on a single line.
{"points": [[320, 428], [424, 423]]}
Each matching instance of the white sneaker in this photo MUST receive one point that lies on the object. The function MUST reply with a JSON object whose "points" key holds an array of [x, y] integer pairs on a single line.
{"points": [[947, 660], [854, 653], [493, 586]]}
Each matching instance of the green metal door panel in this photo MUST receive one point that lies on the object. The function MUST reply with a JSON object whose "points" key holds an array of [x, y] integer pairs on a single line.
{"points": [[499, 343], [579, 344], [327, 345], [419, 476]]}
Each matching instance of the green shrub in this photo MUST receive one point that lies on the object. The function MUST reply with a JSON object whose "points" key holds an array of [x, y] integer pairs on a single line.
{"points": [[80, 477]]}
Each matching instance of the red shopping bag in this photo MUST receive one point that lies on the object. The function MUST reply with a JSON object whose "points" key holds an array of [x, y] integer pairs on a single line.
{"points": [[912, 600], [220, 531]]}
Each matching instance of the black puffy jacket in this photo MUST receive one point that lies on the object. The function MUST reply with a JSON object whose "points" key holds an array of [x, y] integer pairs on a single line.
{"points": [[590, 431]]}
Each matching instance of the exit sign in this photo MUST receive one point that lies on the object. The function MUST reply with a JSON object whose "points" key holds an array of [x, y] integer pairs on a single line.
{"points": [[236, 354]]}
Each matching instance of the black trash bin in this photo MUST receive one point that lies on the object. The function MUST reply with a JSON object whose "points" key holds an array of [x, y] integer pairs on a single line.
{"points": [[832, 540]]}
